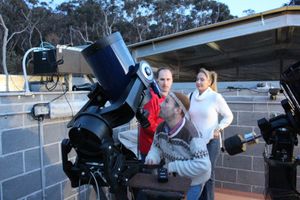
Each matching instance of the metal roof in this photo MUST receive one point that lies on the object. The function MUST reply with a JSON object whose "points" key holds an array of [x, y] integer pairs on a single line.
{"points": [[256, 47]]}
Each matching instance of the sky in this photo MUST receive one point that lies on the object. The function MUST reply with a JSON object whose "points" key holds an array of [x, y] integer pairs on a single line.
{"points": [[237, 7]]}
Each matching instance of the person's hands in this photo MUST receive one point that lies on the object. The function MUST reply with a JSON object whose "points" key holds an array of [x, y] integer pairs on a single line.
{"points": [[150, 162], [217, 133]]}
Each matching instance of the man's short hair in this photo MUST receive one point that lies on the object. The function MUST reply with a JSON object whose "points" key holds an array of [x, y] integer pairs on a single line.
{"points": [[161, 69]]}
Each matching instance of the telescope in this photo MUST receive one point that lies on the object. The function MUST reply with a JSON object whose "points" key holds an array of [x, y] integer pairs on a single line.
{"points": [[121, 90], [281, 133]]}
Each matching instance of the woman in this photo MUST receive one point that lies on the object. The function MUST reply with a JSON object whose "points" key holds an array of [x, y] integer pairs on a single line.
{"points": [[206, 105]]}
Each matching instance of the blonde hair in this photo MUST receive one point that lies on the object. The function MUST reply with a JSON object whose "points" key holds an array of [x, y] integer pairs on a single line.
{"points": [[212, 76]]}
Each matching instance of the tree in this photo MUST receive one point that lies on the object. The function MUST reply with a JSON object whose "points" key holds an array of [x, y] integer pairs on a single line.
{"points": [[139, 13], [81, 21], [249, 12], [292, 3], [88, 20], [111, 11], [208, 12], [6, 39], [13, 23], [162, 17]]}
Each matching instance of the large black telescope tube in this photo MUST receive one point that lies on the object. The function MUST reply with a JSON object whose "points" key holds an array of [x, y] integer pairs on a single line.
{"points": [[110, 60], [122, 82]]}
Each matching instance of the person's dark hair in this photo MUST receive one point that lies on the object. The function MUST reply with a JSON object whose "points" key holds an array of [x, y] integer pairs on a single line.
{"points": [[161, 69]]}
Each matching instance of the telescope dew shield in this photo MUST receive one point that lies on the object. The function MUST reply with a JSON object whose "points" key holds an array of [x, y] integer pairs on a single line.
{"points": [[237, 143], [234, 145], [290, 81], [110, 60]]}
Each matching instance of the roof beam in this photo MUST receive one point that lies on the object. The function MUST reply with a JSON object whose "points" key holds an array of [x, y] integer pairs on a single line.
{"points": [[204, 36], [238, 54]]}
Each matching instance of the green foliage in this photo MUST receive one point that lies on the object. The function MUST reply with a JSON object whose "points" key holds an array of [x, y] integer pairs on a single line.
{"points": [[77, 22]]}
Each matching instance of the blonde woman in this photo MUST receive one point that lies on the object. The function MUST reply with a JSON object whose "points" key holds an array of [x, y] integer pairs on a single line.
{"points": [[206, 106]]}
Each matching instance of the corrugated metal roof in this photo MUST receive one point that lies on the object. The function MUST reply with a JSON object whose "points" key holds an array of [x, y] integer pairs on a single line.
{"points": [[256, 47]]}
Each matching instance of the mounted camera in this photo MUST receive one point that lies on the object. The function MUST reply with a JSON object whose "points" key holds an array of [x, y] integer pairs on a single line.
{"points": [[280, 132]]}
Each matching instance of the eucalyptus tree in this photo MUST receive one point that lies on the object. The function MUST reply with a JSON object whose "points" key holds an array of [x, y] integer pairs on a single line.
{"points": [[179, 15], [249, 12], [162, 18], [111, 12], [12, 23], [205, 12], [87, 23], [139, 13], [67, 13]]}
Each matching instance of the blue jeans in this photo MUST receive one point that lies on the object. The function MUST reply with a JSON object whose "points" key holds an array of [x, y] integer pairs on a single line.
{"points": [[143, 157], [213, 148], [194, 192]]}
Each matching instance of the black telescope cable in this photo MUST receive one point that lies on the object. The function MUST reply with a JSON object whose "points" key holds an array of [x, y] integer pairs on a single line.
{"points": [[79, 182], [96, 185]]}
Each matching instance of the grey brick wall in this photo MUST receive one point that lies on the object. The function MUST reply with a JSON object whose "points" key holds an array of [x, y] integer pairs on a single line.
{"points": [[248, 167], [20, 164], [245, 171]]}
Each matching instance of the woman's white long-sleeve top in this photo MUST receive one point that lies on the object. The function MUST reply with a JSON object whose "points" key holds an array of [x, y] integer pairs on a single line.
{"points": [[205, 110]]}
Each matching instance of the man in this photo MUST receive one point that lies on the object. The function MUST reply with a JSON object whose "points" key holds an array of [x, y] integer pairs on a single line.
{"points": [[178, 142], [164, 81]]}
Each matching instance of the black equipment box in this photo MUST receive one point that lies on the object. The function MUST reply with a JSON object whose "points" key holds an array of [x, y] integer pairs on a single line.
{"points": [[162, 175], [44, 62], [281, 180]]}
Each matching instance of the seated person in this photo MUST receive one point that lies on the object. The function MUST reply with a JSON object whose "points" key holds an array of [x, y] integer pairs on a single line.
{"points": [[178, 142]]}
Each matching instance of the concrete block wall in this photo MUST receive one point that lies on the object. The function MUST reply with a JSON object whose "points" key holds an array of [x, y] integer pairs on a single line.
{"points": [[20, 165], [21, 174], [245, 171]]}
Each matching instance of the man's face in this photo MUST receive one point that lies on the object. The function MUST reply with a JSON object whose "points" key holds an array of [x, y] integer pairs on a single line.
{"points": [[168, 108], [165, 81]]}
